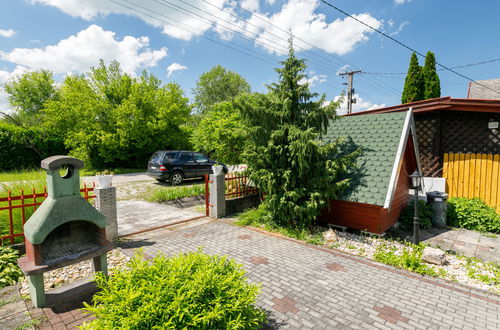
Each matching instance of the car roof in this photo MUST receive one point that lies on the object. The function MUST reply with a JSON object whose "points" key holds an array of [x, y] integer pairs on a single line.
{"points": [[179, 151]]}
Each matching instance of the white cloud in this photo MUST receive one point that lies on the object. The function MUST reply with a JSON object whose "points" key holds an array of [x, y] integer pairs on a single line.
{"points": [[173, 22], [79, 52], [343, 68], [252, 5], [400, 28], [339, 36], [313, 79], [360, 105], [400, 2], [172, 68], [8, 75], [7, 33]]}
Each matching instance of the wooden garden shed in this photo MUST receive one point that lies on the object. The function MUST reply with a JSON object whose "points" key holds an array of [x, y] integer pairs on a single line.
{"points": [[380, 186], [458, 139]]}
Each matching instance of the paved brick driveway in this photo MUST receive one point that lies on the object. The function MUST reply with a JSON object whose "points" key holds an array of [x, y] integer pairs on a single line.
{"points": [[310, 287]]}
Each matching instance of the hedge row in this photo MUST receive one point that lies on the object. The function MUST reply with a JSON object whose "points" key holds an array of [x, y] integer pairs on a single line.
{"points": [[23, 147]]}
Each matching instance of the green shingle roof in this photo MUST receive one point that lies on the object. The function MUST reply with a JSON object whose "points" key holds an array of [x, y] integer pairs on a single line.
{"points": [[378, 137]]}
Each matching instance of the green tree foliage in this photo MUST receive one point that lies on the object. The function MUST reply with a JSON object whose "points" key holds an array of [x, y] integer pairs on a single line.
{"points": [[286, 159], [414, 82], [28, 94], [25, 147], [221, 134], [218, 85], [432, 85], [110, 119]]}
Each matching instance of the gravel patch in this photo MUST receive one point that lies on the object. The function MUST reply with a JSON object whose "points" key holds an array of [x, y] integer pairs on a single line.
{"points": [[84, 269], [459, 268]]}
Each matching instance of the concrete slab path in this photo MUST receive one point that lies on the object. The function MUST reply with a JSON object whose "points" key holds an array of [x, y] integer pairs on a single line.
{"points": [[468, 242], [306, 286], [135, 216]]}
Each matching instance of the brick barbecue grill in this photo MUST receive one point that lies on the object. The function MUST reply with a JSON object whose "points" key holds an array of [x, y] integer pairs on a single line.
{"points": [[64, 230]]}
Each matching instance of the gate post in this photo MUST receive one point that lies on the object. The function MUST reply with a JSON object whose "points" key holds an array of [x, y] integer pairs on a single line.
{"points": [[217, 196], [105, 203]]}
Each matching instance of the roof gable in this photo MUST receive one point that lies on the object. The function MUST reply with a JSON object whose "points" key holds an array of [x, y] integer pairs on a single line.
{"points": [[380, 137]]}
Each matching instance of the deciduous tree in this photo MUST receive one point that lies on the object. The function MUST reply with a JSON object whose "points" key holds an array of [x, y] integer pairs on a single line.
{"points": [[221, 134], [28, 93], [218, 85], [110, 119]]}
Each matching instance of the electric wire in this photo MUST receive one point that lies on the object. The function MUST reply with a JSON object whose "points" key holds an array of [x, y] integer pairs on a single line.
{"points": [[330, 82], [404, 45]]}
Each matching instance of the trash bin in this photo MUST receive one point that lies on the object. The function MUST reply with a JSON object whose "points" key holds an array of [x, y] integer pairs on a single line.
{"points": [[438, 201]]}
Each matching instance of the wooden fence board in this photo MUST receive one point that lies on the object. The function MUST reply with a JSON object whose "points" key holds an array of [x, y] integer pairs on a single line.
{"points": [[473, 175]]}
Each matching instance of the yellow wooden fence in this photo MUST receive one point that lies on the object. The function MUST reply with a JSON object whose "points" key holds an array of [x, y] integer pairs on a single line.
{"points": [[473, 175]]}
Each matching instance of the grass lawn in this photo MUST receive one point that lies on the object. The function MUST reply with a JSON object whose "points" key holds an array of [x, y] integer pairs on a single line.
{"points": [[35, 174], [170, 193]]}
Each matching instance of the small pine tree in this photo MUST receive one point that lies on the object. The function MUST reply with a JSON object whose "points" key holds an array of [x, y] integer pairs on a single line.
{"points": [[414, 82], [432, 85], [287, 161]]}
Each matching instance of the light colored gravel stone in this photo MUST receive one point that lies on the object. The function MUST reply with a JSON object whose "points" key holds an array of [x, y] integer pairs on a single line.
{"points": [[65, 275], [457, 269]]}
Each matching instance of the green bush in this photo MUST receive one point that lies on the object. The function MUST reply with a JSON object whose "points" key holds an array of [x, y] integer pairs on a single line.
{"points": [[409, 259], [473, 214], [9, 271], [187, 291], [424, 215], [25, 147]]}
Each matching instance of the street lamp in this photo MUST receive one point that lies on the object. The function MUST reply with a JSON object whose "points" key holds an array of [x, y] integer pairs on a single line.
{"points": [[416, 182]]}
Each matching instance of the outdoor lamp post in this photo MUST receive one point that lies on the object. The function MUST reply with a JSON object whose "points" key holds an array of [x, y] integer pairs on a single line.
{"points": [[416, 182]]}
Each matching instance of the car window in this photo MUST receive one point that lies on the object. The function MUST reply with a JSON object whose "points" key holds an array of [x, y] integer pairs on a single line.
{"points": [[200, 158], [156, 158], [185, 157], [169, 156]]}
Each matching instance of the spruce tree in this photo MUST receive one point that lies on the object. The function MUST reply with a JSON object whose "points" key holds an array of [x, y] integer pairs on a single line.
{"points": [[287, 161], [432, 85], [414, 82]]}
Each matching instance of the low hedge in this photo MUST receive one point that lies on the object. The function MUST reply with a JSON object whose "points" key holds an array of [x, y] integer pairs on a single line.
{"points": [[473, 214], [187, 291], [10, 273]]}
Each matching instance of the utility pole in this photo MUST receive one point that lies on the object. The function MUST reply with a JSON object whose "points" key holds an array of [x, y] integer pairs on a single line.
{"points": [[350, 89]]}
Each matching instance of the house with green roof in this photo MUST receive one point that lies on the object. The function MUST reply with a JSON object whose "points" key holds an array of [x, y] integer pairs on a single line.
{"points": [[379, 188]]}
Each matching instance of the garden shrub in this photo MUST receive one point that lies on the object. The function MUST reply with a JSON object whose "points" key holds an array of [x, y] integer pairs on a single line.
{"points": [[10, 273], [424, 215], [188, 291], [473, 214], [410, 258]]}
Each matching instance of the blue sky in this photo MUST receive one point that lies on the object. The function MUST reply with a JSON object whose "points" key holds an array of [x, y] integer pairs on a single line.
{"points": [[171, 40]]}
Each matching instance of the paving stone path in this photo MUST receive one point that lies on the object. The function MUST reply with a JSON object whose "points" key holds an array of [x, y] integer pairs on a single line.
{"points": [[305, 286], [470, 243]]}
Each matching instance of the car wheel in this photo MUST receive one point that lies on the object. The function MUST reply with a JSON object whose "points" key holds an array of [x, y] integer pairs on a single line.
{"points": [[161, 180], [176, 178]]}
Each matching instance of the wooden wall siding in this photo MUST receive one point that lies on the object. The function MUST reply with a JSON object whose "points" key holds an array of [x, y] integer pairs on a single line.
{"points": [[473, 175], [354, 215]]}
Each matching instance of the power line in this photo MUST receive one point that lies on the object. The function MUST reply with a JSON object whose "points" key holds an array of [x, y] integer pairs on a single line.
{"points": [[261, 57], [453, 67], [404, 45], [267, 21]]}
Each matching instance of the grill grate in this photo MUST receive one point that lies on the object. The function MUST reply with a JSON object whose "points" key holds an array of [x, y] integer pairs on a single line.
{"points": [[68, 250]]}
